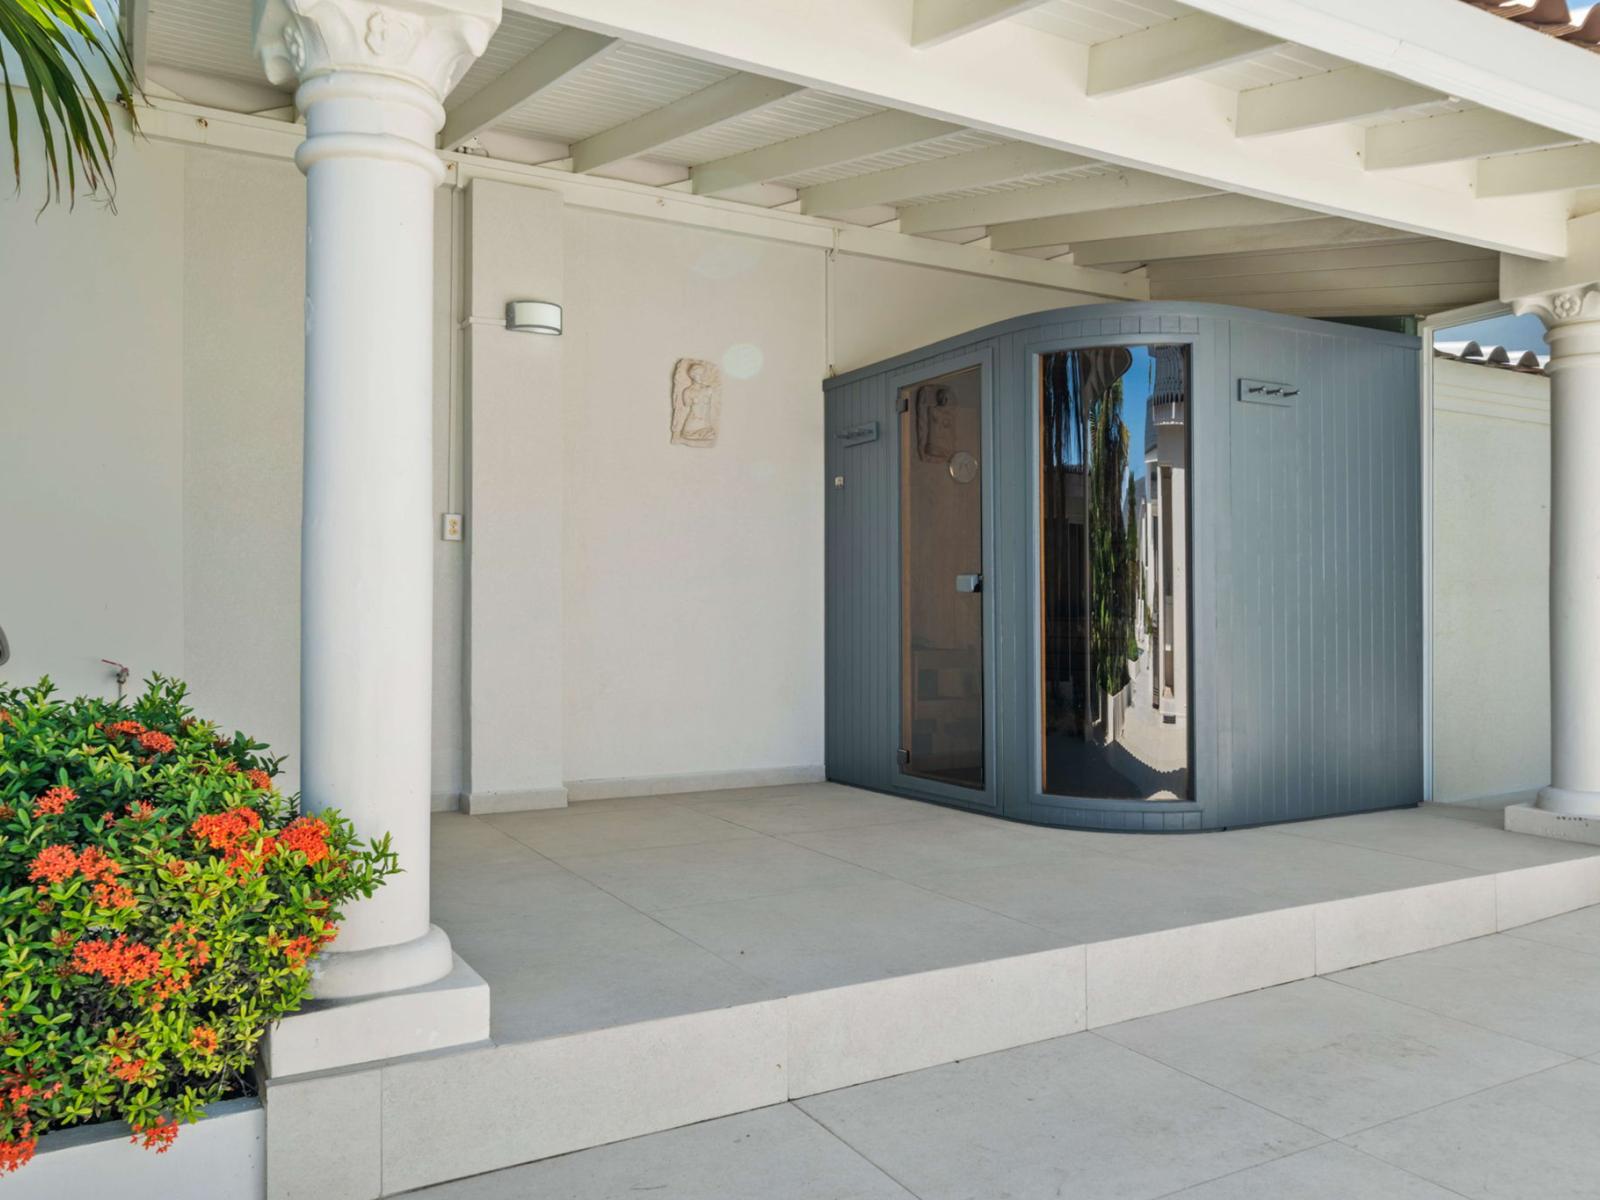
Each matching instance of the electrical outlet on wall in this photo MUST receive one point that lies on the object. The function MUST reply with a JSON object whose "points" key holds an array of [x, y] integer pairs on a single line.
{"points": [[453, 526]]}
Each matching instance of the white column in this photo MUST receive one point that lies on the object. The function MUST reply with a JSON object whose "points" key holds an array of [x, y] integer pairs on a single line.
{"points": [[1573, 318], [371, 78]]}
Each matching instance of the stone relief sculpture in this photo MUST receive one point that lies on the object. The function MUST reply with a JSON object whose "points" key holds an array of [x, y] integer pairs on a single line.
{"points": [[696, 402]]}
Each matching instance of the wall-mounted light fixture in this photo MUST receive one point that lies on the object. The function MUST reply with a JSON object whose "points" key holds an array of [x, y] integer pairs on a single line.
{"points": [[533, 316]]}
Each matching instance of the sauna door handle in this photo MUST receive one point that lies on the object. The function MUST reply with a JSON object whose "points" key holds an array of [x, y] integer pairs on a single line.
{"points": [[969, 583]]}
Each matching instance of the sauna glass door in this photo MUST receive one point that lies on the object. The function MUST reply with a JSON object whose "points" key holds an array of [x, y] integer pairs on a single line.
{"points": [[941, 579], [1113, 572]]}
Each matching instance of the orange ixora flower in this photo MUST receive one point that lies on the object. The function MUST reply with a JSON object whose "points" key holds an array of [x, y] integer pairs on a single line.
{"points": [[130, 1071], [309, 836], [119, 961], [141, 810], [259, 779], [113, 895], [16, 1153], [54, 802], [54, 863], [158, 1137], [118, 728], [157, 742], [97, 866], [225, 831], [204, 1039]]}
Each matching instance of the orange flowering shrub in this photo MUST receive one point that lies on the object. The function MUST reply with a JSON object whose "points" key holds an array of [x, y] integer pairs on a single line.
{"points": [[160, 901]]}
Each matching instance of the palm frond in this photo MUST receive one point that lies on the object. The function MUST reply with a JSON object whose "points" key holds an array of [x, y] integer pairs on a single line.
{"points": [[63, 47]]}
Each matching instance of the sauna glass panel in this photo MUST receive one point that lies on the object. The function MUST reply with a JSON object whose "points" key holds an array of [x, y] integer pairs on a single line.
{"points": [[941, 579], [1113, 566]]}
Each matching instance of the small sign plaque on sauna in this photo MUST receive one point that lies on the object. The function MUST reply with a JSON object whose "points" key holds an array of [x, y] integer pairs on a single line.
{"points": [[859, 435]]}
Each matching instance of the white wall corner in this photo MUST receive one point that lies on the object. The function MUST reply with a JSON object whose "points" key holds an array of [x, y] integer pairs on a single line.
{"points": [[514, 472]]}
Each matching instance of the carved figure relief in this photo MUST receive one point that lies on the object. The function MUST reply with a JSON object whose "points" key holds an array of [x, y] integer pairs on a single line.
{"points": [[696, 402]]}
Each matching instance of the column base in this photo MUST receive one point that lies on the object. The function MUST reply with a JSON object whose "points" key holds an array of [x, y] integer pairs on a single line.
{"points": [[327, 1034], [351, 974], [1569, 800], [1563, 826]]}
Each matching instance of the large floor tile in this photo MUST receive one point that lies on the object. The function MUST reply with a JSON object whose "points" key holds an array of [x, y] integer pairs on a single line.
{"points": [[1541, 994], [463, 841], [1437, 839], [1332, 1171], [576, 990], [1533, 1139], [1331, 1057], [500, 893], [825, 937], [1088, 896], [728, 871], [1578, 931], [1077, 1117], [599, 827], [944, 843], [805, 808], [775, 1154]]}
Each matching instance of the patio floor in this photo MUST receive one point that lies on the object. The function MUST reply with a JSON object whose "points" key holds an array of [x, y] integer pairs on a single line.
{"points": [[1456, 1072], [659, 962], [616, 911]]}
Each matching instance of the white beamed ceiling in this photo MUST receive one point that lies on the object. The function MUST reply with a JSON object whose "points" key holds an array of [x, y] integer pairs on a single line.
{"points": [[649, 71]]}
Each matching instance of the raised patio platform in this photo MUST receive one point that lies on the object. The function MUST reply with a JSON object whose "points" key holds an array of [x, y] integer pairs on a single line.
{"points": [[663, 960]]}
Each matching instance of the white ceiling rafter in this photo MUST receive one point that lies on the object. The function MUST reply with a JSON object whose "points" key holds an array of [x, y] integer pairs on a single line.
{"points": [[1114, 190], [1453, 137], [735, 96], [1561, 170], [1291, 235], [1442, 44], [1021, 83], [1171, 50], [1333, 98], [551, 62], [936, 21], [1222, 211], [842, 143], [975, 168]]}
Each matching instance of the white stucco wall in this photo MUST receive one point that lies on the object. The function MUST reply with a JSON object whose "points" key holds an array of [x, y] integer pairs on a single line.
{"points": [[1491, 633], [152, 402], [693, 576], [91, 426]]}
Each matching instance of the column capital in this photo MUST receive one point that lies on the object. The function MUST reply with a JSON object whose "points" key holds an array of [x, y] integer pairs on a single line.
{"points": [[1563, 305], [430, 43]]}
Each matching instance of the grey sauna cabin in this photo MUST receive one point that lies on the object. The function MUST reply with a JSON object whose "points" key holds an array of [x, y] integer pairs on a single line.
{"points": [[1146, 567]]}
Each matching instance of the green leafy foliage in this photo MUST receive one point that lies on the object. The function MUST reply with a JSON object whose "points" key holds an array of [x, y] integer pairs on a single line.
{"points": [[159, 903], [61, 45]]}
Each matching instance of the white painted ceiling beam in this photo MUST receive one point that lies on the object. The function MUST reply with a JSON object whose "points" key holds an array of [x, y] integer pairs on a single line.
{"points": [[546, 65], [1116, 190], [1025, 84], [937, 21], [1452, 137], [1297, 262], [1174, 216], [975, 168], [1331, 98], [851, 140], [1323, 231], [1540, 171], [1443, 44], [724, 100], [1171, 50]]}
